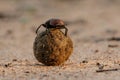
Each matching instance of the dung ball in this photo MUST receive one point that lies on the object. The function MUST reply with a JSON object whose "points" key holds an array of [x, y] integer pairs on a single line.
{"points": [[52, 47]]}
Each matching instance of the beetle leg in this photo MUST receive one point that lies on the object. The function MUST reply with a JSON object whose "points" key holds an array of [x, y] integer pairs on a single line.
{"points": [[38, 28], [63, 27], [47, 31], [66, 30]]}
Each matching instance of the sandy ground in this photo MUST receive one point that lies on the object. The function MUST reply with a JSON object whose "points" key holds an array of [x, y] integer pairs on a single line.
{"points": [[94, 27]]}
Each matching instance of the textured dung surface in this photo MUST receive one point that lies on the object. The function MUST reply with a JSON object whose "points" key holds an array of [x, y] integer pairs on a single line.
{"points": [[52, 47]]}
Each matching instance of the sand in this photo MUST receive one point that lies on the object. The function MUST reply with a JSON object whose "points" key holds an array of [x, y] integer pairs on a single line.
{"points": [[93, 26]]}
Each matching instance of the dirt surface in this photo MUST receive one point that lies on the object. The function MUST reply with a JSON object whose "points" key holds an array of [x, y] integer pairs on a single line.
{"points": [[94, 27]]}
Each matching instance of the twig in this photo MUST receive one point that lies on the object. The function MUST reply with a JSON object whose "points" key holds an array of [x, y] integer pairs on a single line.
{"points": [[104, 70], [114, 39]]}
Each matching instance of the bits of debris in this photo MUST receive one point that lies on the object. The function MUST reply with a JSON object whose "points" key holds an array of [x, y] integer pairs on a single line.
{"points": [[114, 39], [60, 74], [97, 64], [96, 51], [2, 16], [9, 32], [84, 61], [7, 65], [27, 72], [104, 70], [14, 60], [7, 16], [100, 66], [112, 45]]}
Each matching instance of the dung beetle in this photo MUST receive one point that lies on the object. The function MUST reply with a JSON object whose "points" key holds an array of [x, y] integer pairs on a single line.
{"points": [[54, 23]]}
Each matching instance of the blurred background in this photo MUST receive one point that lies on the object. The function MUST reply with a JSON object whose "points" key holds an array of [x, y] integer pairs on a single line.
{"points": [[89, 21]]}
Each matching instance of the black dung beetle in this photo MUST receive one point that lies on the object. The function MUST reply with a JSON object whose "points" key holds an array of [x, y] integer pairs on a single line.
{"points": [[54, 23]]}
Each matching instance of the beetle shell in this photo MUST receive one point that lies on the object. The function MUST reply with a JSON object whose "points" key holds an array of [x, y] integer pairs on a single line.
{"points": [[54, 23]]}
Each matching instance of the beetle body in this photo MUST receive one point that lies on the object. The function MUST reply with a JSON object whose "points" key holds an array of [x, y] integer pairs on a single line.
{"points": [[54, 23]]}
